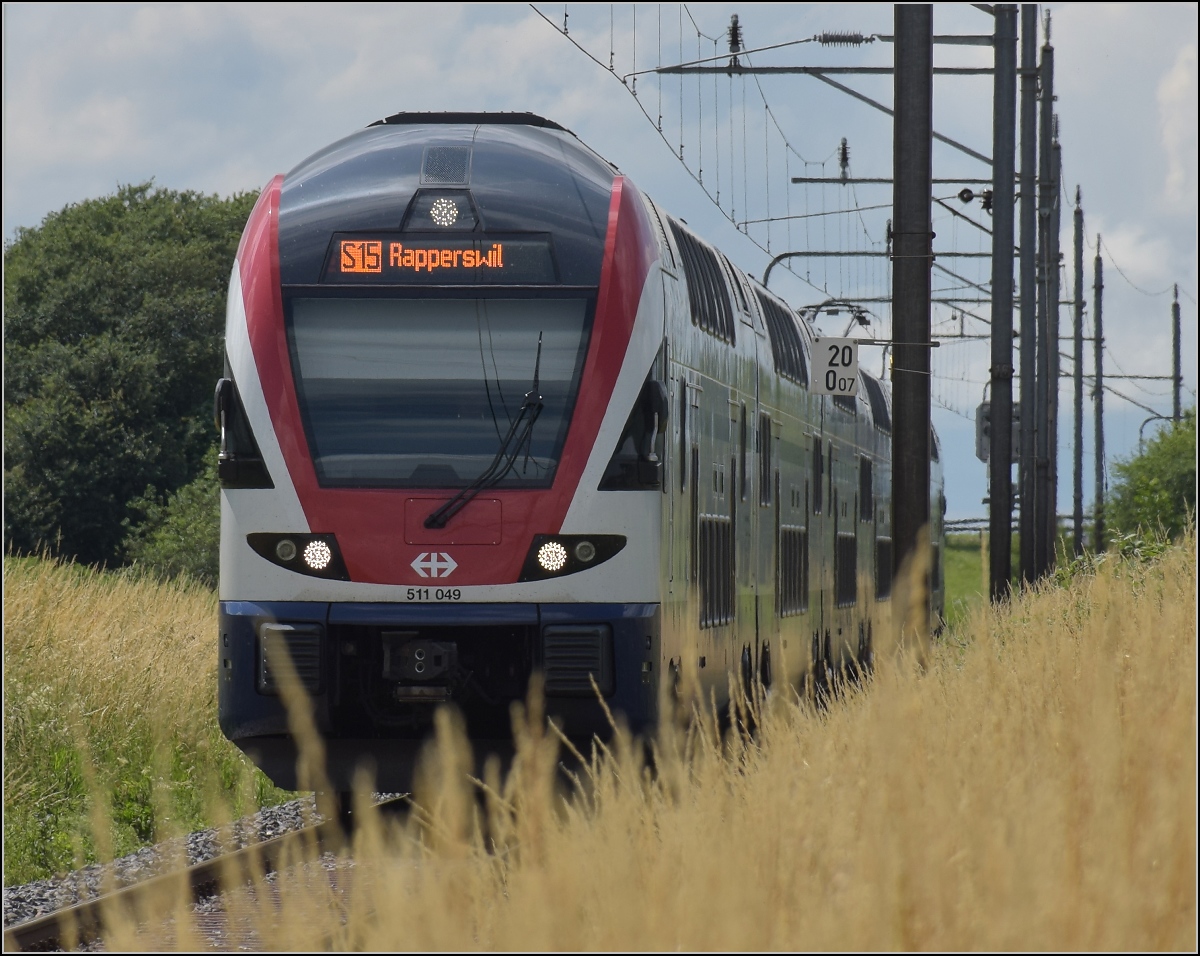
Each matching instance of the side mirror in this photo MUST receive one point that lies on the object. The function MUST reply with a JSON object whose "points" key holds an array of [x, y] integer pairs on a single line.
{"points": [[222, 404], [654, 406], [654, 414]]}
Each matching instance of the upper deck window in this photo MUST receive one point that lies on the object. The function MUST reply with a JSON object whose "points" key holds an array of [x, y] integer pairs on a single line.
{"points": [[420, 393], [879, 405], [786, 345], [707, 291]]}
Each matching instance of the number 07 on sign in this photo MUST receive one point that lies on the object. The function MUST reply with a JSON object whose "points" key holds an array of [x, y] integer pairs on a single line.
{"points": [[835, 366]]}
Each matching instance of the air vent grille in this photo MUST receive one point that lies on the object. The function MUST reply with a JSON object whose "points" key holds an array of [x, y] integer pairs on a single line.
{"points": [[574, 653], [845, 570], [791, 591], [446, 165], [302, 643], [716, 554]]}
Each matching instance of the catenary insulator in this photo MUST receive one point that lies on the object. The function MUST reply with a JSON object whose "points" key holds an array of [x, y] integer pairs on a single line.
{"points": [[843, 39]]}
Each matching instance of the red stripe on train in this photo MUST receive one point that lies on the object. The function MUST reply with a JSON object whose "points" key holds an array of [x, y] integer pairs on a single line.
{"points": [[370, 523]]}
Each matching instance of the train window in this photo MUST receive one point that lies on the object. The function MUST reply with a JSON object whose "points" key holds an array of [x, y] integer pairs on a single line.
{"points": [[847, 403], [716, 570], [420, 393], [695, 511], [764, 459], [866, 490], [637, 461], [663, 233], [239, 461], [829, 470], [786, 345], [845, 570], [683, 433], [883, 568], [707, 290], [934, 448], [818, 469], [736, 283], [878, 401], [742, 459], [791, 589]]}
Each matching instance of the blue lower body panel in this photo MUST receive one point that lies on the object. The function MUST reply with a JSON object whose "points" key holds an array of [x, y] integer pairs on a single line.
{"points": [[376, 673]]}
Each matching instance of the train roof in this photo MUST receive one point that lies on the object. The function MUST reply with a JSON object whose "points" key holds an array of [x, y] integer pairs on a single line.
{"points": [[450, 118], [522, 172]]}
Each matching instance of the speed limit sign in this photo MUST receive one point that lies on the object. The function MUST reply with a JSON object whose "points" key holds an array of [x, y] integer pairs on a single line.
{"points": [[835, 366]]}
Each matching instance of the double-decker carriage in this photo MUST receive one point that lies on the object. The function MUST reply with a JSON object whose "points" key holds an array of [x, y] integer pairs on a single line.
{"points": [[489, 411]]}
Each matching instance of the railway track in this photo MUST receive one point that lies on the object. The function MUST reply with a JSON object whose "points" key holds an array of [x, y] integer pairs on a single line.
{"points": [[141, 903]]}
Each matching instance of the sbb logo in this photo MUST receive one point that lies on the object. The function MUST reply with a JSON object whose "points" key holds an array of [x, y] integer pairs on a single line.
{"points": [[434, 564]]}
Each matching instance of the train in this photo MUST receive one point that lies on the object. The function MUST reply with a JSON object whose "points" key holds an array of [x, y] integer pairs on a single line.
{"points": [[489, 411]]}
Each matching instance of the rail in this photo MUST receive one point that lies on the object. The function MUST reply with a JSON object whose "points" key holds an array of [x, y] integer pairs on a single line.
{"points": [[84, 922]]}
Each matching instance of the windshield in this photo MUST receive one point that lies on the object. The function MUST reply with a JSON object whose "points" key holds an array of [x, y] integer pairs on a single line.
{"points": [[419, 393]]}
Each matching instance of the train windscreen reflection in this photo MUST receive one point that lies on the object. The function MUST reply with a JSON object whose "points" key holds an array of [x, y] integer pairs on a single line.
{"points": [[419, 393]]}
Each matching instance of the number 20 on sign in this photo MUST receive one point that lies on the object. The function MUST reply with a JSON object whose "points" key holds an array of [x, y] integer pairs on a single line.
{"points": [[835, 366]]}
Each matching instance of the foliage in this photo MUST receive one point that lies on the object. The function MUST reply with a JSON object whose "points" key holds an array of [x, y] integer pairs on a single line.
{"points": [[183, 534], [1156, 489], [114, 312], [1129, 550], [110, 710]]}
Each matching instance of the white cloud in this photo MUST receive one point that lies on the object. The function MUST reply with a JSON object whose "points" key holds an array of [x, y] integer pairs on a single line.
{"points": [[221, 96], [1177, 116]]}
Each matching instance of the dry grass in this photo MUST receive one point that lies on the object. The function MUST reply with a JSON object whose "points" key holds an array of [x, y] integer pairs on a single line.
{"points": [[1034, 788]]}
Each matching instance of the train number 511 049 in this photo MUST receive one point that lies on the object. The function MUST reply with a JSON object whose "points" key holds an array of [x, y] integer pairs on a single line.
{"points": [[434, 594]]}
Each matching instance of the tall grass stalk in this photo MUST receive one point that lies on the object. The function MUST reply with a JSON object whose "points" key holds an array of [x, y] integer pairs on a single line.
{"points": [[1033, 786], [109, 710]]}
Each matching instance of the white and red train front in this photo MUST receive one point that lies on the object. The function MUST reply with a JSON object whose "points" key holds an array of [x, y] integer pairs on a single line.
{"points": [[442, 420]]}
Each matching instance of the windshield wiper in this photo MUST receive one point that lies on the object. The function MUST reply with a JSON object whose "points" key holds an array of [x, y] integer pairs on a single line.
{"points": [[520, 435]]}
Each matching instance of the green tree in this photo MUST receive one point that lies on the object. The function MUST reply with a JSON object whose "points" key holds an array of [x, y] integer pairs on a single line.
{"points": [[114, 314], [1157, 488], [181, 536]]}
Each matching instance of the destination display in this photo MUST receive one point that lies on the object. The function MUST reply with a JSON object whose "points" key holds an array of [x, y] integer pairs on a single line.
{"points": [[439, 260]]}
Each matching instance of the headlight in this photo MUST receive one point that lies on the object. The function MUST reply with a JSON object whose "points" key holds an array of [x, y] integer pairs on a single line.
{"points": [[585, 551], [314, 554], [444, 211], [553, 555], [317, 555]]}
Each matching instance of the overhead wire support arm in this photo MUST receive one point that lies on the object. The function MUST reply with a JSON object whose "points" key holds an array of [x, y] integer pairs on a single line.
{"points": [[955, 212], [837, 254], [891, 342], [711, 59], [833, 254], [890, 112], [735, 69], [949, 39], [881, 180], [936, 298], [955, 275]]}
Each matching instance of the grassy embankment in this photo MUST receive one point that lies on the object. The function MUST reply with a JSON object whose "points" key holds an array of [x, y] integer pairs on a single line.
{"points": [[963, 565], [110, 689], [1033, 788]]}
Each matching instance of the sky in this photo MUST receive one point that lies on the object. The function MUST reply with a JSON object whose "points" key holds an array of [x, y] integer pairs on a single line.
{"points": [[219, 98]]}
